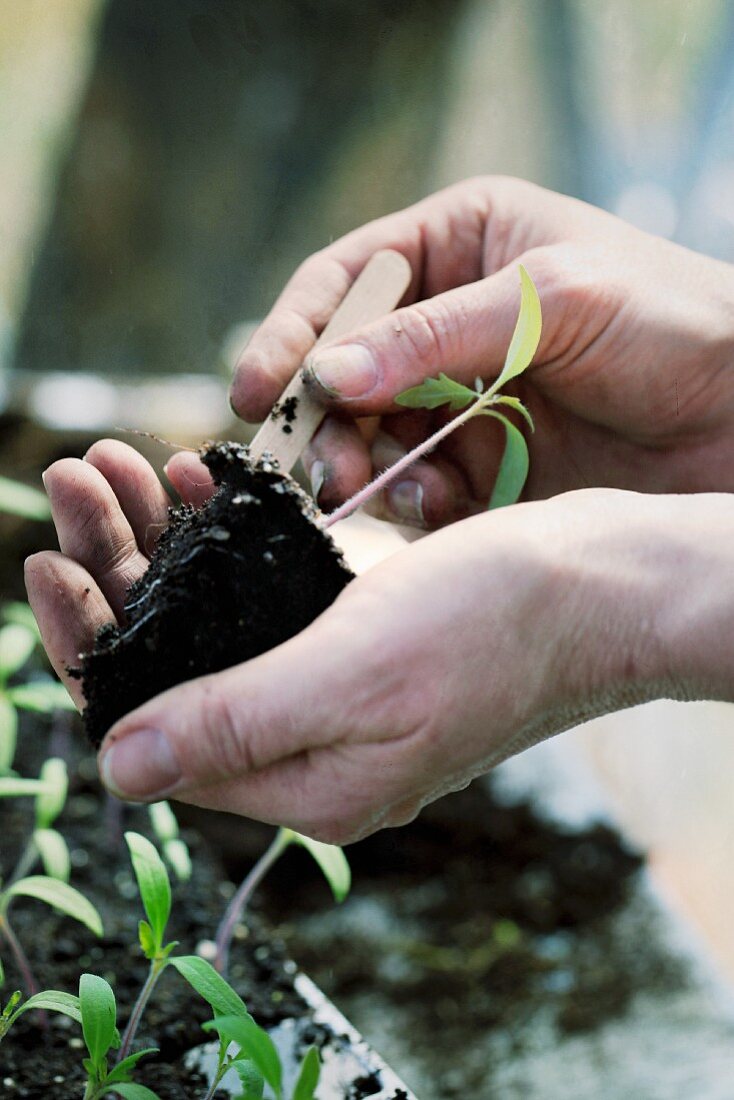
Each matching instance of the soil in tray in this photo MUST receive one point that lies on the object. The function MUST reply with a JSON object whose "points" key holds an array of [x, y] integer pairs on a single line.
{"points": [[227, 582], [33, 1065]]}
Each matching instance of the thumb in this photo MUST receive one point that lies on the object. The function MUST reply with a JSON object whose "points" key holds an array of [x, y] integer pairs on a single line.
{"points": [[465, 332], [222, 726]]}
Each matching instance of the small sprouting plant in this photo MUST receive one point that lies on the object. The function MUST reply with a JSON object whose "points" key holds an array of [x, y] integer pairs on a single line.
{"points": [[435, 392], [175, 850], [98, 1013], [19, 637]]}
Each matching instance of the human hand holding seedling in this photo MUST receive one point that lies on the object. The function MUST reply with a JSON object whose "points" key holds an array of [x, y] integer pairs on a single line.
{"points": [[630, 387]]}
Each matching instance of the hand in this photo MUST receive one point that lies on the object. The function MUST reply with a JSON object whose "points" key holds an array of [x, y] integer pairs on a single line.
{"points": [[432, 667], [632, 384]]}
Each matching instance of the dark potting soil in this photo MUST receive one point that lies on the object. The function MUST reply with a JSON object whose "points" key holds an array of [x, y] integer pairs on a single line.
{"points": [[227, 582], [34, 1065]]}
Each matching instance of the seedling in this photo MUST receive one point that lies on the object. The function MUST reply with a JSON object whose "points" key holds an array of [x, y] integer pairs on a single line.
{"points": [[98, 1017], [175, 851], [330, 859], [51, 1000], [436, 392]]}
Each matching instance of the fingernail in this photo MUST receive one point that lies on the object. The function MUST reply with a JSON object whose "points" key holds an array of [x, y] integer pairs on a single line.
{"points": [[317, 475], [140, 766], [348, 371], [406, 502], [43, 479]]}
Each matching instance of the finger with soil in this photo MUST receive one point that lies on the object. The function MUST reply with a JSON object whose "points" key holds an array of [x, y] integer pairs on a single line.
{"points": [[69, 609], [135, 483], [92, 528]]}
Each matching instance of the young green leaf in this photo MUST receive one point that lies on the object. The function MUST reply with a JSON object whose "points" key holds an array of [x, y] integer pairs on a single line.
{"points": [[147, 939], [435, 392], [526, 337], [16, 646], [131, 1091], [332, 862], [517, 405], [8, 733], [59, 895], [97, 1004], [123, 1070], [42, 697], [50, 802], [54, 853], [22, 500], [210, 985], [177, 855], [308, 1078], [251, 1079], [163, 820], [20, 613], [153, 882], [253, 1042], [10, 787], [52, 1000], [513, 469]]}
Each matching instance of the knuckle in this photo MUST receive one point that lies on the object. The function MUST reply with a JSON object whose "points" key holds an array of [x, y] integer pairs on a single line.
{"points": [[428, 331], [228, 750]]}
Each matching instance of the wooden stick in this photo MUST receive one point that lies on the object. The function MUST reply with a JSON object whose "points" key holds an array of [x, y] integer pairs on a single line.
{"points": [[297, 414]]}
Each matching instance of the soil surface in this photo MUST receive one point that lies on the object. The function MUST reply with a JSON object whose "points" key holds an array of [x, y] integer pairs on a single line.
{"points": [[227, 582]]}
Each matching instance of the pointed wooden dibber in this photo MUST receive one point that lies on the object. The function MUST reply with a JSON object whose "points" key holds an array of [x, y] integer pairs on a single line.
{"points": [[295, 417]]}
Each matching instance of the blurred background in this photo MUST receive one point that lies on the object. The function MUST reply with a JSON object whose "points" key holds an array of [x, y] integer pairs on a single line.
{"points": [[166, 165]]}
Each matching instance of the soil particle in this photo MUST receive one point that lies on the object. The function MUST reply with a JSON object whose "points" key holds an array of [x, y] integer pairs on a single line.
{"points": [[227, 582]]}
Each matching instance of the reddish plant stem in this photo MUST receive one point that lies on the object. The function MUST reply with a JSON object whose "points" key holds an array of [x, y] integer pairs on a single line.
{"points": [[157, 967], [20, 956], [239, 900], [403, 464]]}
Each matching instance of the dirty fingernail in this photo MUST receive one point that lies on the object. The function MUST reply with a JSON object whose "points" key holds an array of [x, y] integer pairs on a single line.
{"points": [[348, 371], [317, 475], [141, 765], [406, 502]]}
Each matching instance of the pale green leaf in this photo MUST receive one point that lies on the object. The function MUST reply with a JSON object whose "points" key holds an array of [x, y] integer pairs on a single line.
{"points": [[153, 881], [59, 895], [97, 1004], [526, 337], [122, 1071], [163, 820], [435, 392], [54, 853], [251, 1079], [20, 613], [332, 862], [210, 985], [10, 787], [513, 469], [147, 939], [16, 646], [51, 801], [22, 500], [253, 1042], [8, 732], [53, 1000], [308, 1078], [42, 696], [178, 857], [517, 405]]}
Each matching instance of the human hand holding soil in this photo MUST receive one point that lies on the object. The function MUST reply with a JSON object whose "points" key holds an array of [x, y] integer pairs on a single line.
{"points": [[631, 387], [455, 653]]}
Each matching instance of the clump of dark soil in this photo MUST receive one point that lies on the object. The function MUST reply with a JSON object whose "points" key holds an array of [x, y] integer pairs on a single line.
{"points": [[227, 582]]}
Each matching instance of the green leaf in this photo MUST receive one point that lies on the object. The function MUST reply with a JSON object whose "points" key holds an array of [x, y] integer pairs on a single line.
{"points": [[53, 1000], [308, 1078], [122, 1071], [210, 985], [526, 337], [97, 1003], [513, 469], [10, 787], [42, 697], [178, 857], [59, 895], [153, 882], [251, 1079], [50, 802], [332, 862], [22, 500], [16, 646], [130, 1091], [436, 391], [54, 853], [20, 613], [163, 820], [254, 1043], [147, 939], [517, 405], [8, 732]]}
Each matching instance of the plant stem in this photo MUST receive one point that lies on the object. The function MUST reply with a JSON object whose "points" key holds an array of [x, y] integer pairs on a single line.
{"points": [[234, 910], [157, 967], [20, 956], [384, 479], [222, 1067], [28, 857]]}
